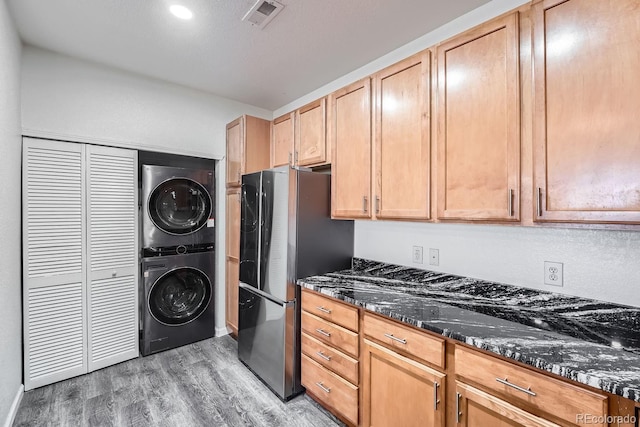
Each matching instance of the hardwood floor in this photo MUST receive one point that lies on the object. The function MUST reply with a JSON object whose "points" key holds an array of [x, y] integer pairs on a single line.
{"points": [[202, 384]]}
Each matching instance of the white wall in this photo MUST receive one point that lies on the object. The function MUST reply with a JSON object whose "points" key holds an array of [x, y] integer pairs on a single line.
{"points": [[465, 22], [597, 264], [74, 100], [71, 99], [10, 261]]}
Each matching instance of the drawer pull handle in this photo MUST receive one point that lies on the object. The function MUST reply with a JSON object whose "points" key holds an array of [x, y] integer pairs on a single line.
{"points": [[324, 356], [517, 387], [400, 340], [323, 332], [324, 310], [458, 413], [435, 395], [325, 389]]}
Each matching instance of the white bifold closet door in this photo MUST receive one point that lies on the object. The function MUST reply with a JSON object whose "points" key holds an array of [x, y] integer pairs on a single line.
{"points": [[112, 255], [79, 208], [53, 234]]}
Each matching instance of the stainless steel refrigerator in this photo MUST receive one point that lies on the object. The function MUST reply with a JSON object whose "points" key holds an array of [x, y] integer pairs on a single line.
{"points": [[286, 233]]}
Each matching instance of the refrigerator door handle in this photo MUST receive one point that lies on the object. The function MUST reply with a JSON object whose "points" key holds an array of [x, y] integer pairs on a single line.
{"points": [[265, 295]]}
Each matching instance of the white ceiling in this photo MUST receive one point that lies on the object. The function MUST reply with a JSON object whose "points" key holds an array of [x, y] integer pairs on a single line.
{"points": [[311, 43]]}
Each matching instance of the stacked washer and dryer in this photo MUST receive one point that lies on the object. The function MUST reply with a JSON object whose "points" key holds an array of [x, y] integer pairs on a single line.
{"points": [[178, 235]]}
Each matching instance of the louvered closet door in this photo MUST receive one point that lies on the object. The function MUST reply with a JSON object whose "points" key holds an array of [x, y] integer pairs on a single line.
{"points": [[112, 262], [53, 261]]}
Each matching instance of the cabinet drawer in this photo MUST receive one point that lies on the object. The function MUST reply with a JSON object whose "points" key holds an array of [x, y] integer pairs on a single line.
{"points": [[330, 333], [418, 344], [332, 390], [330, 358], [330, 310], [547, 394]]}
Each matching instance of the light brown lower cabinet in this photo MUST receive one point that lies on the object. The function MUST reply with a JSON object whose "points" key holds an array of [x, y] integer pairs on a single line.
{"points": [[475, 408], [330, 352], [398, 391], [233, 272], [376, 371], [330, 389]]}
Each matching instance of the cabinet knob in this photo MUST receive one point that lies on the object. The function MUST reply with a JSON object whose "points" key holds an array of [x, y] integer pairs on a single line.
{"points": [[364, 204], [114, 273]]}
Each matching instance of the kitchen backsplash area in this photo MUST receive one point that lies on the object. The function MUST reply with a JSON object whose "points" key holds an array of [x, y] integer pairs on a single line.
{"points": [[598, 264]]}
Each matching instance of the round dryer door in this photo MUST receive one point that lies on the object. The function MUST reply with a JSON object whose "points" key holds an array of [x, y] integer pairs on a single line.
{"points": [[180, 206], [179, 296]]}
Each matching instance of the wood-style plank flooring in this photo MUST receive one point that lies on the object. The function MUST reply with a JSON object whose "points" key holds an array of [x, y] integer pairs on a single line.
{"points": [[202, 384]]}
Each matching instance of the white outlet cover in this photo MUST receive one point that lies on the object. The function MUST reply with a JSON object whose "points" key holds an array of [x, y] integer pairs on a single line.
{"points": [[553, 273], [434, 256]]}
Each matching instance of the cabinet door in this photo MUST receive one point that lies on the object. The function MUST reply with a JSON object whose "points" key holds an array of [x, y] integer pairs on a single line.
{"points": [[399, 391], [586, 128], [350, 134], [231, 305], [402, 139], [235, 151], [112, 249], [54, 257], [476, 408], [233, 223], [232, 258], [282, 140], [256, 144], [311, 134], [479, 123]]}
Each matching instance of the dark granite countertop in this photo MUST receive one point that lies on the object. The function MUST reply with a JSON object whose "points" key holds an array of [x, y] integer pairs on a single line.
{"points": [[591, 342]]}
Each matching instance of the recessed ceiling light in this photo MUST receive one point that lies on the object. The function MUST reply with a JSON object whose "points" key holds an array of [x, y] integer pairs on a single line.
{"points": [[181, 11]]}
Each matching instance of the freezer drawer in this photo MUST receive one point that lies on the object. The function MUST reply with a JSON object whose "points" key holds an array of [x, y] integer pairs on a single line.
{"points": [[267, 340]]}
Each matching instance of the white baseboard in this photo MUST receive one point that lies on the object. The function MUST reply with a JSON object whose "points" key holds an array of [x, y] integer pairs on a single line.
{"points": [[13, 410], [221, 331]]}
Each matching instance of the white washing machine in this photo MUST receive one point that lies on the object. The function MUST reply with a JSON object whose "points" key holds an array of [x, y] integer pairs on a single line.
{"points": [[178, 206]]}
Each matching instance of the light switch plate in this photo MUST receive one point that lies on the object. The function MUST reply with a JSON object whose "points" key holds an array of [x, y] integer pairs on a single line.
{"points": [[417, 254]]}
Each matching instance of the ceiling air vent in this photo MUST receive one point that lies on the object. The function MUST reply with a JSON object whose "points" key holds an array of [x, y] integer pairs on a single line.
{"points": [[263, 12]]}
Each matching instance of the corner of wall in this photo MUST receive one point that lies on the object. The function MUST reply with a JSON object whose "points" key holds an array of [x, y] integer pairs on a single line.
{"points": [[13, 410]]}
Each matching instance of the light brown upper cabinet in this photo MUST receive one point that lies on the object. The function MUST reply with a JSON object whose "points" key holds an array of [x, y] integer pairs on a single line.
{"points": [[586, 100], [311, 134], [479, 123], [247, 148], [282, 140], [350, 136], [402, 135]]}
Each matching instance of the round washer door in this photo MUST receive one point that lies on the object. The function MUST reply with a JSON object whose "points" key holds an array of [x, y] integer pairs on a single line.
{"points": [[179, 206], [179, 296]]}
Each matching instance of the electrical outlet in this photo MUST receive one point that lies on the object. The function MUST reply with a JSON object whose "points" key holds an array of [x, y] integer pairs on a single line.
{"points": [[434, 256], [553, 273], [417, 254]]}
